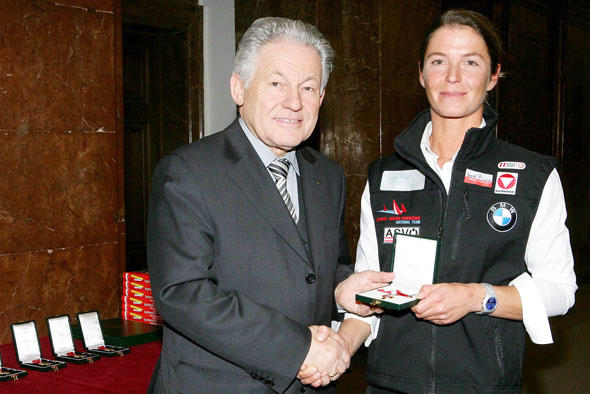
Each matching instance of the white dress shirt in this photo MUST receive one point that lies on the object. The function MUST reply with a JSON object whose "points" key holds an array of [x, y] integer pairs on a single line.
{"points": [[549, 288], [268, 156]]}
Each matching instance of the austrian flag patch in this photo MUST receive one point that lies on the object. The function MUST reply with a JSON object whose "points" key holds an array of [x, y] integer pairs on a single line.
{"points": [[506, 183]]}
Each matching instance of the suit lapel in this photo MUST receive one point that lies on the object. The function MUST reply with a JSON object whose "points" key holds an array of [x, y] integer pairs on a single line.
{"points": [[314, 195], [254, 182]]}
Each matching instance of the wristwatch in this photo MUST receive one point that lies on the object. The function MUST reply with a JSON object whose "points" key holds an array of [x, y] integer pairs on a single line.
{"points": [[489, 302]]}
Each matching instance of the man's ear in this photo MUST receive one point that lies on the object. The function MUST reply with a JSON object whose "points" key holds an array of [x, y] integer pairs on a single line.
{"points": [[236, 87]]}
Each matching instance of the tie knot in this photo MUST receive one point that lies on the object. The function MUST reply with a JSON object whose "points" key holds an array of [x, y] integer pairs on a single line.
{"points": [[279, 168]]}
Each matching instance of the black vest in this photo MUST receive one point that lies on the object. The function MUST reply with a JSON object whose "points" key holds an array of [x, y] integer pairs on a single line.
{"points": [[483, 226]]}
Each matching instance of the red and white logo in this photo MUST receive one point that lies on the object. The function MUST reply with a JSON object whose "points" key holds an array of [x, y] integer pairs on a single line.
{"points": [[478, 178], [506, 183], [511, 165]]}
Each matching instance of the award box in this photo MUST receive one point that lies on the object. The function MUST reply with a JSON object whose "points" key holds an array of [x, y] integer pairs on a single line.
{"points": [[10, 373], [28, 350], [92, 336], [414, 262], [62, 342]]}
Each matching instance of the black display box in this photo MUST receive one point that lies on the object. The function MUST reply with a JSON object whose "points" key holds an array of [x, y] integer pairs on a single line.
{"points": [[28, 349], [62, 342], [10, 373], [414, 260], [93, 339]]}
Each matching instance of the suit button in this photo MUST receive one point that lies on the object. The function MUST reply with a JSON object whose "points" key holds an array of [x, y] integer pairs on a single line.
{"points": [[310, 278]]}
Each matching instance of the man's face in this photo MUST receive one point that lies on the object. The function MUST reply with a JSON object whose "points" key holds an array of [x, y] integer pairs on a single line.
{"points": [[281, 104], [457, 72]]}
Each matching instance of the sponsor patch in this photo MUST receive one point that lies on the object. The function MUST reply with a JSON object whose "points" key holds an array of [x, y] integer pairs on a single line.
{"points": [[397, 215], [506, 183], [502, 216], [404, 181], [511, 165], [388, 232], [478, 178]]}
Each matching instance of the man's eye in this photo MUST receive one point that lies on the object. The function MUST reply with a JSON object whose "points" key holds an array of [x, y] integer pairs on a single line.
{"points": [[471, 63], [309, 88], [275, 84], [437, 62]]}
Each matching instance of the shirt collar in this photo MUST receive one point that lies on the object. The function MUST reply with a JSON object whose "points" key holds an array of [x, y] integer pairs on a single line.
{"points": [[425, 142], [264, 152]]}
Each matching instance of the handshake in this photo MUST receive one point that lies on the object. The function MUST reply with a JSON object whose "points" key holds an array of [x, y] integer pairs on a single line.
{"points": [[327, 358], [330, 351]]}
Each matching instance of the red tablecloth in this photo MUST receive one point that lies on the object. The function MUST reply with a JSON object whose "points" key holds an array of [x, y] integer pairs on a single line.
{"points": [[127, 374]]}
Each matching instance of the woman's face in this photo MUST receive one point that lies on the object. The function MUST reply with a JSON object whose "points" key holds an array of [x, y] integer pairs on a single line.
{"points": [[456, 73]]}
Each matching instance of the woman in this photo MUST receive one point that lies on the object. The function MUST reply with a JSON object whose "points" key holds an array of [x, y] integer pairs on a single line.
{"points": [[505, 263]]}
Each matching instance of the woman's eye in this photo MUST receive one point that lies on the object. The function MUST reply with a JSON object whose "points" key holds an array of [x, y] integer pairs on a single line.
{"points": [[471, 63], [275, 84], [437, 62]]}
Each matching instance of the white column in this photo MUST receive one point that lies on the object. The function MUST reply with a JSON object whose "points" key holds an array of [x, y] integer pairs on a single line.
{"points": [[218, 55]]}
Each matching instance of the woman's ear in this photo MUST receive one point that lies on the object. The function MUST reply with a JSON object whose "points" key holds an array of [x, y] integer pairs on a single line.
{"points": [[420, 74], [494, 78]]}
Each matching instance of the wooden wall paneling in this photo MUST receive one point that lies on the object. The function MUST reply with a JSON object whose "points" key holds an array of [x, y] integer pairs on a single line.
{"points": [[528, 92], [58, 194]]}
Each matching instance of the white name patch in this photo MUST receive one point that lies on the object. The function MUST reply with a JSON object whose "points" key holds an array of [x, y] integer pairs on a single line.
{"points": [[403, 181]]}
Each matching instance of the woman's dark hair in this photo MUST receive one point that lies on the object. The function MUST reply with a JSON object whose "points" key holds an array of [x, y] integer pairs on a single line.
{"points": [[475, 20]]}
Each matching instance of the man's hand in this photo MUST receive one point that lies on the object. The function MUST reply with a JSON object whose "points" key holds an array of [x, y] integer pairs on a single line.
{"points": [[445, 303], [327, 358], [356, 283]]}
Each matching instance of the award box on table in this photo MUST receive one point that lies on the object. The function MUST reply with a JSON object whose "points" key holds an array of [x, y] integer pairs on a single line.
{"points": [[7, 374], [92, 336], [414, 262], [62, 342], [28, 350]]}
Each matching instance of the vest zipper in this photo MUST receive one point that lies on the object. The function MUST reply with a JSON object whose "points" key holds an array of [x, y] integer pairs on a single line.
{"points": [[466, 203]]}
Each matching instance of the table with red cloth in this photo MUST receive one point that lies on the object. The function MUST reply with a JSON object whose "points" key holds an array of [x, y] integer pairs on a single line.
{"points": [[130, 373]]}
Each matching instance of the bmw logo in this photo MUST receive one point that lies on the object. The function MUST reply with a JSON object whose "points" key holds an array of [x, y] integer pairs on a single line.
{"points": [[502, 216]]}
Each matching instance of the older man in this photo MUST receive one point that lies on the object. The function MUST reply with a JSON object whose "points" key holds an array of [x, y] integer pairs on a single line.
{"points": [[246, 237]]}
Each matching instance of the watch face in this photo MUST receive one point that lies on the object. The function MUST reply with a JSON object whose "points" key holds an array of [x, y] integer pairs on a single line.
{"points": [[491, 304]]}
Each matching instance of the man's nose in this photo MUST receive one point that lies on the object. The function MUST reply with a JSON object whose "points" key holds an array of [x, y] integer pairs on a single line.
{"points": [[292, 100]]}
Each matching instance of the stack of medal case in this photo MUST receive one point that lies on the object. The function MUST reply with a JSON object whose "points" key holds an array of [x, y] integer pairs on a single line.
{"points": [[28, 349], [137, 301]]}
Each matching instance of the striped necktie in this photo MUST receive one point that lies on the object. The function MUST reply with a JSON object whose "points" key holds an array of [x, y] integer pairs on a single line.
{"points": [[279, 168]]}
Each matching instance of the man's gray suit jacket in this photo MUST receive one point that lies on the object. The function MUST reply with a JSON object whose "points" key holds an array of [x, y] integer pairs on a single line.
{"points": [[231, 275]]}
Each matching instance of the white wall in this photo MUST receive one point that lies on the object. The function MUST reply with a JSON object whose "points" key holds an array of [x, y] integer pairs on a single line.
{"points": [[218, 54]]}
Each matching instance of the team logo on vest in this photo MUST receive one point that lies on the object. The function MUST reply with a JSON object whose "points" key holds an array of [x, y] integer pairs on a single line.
{"points": [[398, 217], [396, 210], [506, 183], [388, 232], [502, 216]]}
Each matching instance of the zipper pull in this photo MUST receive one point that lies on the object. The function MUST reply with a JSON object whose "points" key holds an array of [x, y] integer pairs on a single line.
{"points": [[440, 232], [466, 203]]}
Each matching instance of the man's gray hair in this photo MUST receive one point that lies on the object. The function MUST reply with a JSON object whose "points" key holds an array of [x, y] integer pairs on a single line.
{"points": [[269, 29]]}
